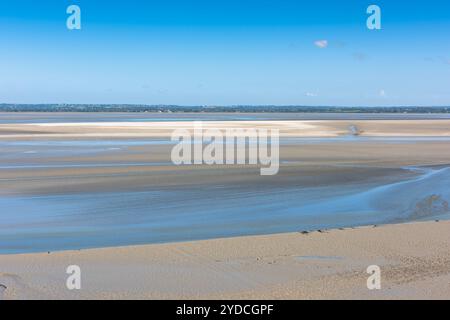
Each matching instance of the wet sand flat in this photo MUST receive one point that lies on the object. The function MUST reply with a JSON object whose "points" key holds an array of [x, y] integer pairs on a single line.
{"points": [[69, 189], [141, 167], [76, 117], [134, 195], [118, 190]]}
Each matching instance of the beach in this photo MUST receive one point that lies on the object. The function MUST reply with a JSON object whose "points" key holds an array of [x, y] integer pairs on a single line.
{"points": [[190, 150], [105, 195], [414, 260]]}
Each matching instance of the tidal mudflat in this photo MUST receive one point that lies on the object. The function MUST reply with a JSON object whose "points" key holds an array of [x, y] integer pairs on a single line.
{"points": [[80, 192], [68, 186]]}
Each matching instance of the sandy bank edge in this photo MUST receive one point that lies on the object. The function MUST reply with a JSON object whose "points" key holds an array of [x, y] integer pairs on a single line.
{"points": [[414, 259]]}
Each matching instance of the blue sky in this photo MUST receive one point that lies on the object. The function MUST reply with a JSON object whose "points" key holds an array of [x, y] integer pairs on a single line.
{"points": [[226, 52]]}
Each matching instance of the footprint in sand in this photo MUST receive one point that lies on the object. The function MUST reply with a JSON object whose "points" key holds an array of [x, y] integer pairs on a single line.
{"points": [[8, 282], [12, 286], [2, 290]]}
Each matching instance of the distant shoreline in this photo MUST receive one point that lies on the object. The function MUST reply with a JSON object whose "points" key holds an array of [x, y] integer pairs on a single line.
{"points": [[217, 109]]}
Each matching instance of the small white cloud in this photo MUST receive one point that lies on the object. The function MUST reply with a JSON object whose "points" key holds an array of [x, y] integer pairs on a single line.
{"points": [[322, 44], [311, 94], [382, 93]]}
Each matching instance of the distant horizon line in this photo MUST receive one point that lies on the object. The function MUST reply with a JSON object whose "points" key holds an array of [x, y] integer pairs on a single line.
{"points": [[214, 105], [244, 109]]}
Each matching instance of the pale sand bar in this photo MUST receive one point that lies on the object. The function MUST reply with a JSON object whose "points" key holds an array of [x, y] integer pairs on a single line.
{"points": [[414, 259], [322, 128]]}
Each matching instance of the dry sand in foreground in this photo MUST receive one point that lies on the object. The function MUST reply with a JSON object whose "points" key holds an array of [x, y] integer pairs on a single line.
{"points": [[414, 259]]}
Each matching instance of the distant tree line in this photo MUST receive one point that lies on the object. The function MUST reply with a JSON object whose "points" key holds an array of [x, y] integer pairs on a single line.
{"points": [[216, 109]]}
